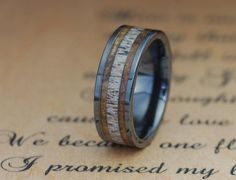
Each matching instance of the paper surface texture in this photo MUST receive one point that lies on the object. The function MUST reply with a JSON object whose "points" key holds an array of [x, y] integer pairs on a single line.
{"points": [[49, 55]]}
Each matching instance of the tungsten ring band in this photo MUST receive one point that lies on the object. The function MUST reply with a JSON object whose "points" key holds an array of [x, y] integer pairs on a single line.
{"points": [[132, 86]]}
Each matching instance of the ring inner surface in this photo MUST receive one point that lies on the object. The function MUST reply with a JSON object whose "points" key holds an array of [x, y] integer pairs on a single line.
{"points": [[151, 90]]}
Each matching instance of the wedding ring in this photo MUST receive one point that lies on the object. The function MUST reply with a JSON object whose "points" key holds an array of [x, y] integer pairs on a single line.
{"points": [[132, 86]]}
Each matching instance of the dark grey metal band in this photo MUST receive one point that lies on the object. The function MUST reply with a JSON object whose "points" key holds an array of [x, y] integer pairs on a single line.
{"points": [[132, 86]]}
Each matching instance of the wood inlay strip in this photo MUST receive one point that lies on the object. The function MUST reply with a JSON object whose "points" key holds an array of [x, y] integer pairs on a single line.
{"points": [[114, 83], [123, 86], [107, 71]]}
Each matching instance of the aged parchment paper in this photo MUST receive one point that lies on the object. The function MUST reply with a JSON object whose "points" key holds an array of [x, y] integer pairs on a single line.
{"points": [[49, 53]]}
